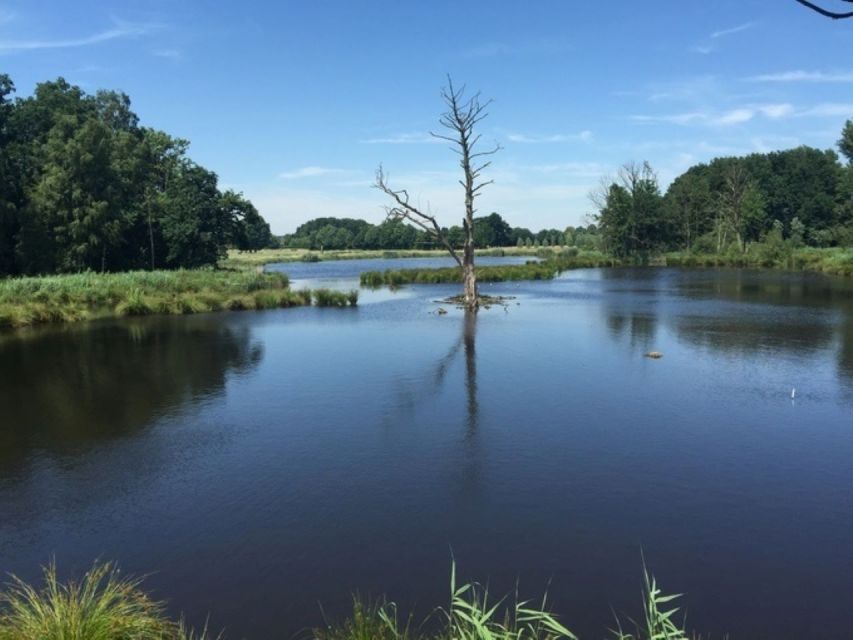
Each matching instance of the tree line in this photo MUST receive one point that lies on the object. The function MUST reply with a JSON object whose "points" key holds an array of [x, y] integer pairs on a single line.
{"points": [[489, 231], [801, 196], [84, 187]]}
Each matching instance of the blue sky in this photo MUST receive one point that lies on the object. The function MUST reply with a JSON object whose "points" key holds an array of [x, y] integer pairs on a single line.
{"points": [[296, 103]]}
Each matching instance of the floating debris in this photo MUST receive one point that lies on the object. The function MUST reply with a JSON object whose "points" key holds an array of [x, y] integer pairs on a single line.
{"points": [[655, 355], [441, 311]]}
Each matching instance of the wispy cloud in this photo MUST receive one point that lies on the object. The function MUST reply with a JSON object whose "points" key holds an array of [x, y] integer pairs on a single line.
{"points": [[172, 54], [540, 46], [573, 169], [583, 136], [403, 138], [120, 30], [310, 172], [730, 117], [702, 49], [829, 110], [731, 30], [804, 76]]}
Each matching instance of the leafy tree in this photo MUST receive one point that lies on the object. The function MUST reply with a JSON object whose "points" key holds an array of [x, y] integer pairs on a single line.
{"points": [[630, 213], [845, 144], [83, 186]]}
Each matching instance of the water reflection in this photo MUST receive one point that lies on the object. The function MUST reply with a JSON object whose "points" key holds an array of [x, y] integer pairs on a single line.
{"points": [[734, 312], [63, 390], [630, 311], [469, 338]]}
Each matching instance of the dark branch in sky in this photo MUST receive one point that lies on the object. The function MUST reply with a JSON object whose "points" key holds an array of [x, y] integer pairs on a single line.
{"points": [[835, 15]]}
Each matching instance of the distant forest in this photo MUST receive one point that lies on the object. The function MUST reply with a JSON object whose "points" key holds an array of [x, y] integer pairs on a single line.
{"points": [[84, 187], [489, 231], [801, 196]]}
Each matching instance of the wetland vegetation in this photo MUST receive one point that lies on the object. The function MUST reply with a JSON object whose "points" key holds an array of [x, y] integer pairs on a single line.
{"points": [[104, 605]]}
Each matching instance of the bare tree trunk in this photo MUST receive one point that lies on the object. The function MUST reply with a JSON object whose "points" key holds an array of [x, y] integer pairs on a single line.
{"points": [[151, 235], [460, 119]]}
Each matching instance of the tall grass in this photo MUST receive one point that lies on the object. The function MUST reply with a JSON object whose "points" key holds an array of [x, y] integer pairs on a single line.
{"points": [[546, 269], [76, 297], [103, 605], [475, 615], [331, 298]]}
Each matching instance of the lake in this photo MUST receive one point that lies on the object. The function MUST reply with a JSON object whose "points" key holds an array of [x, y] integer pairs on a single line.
{"points": [[256, 465]]}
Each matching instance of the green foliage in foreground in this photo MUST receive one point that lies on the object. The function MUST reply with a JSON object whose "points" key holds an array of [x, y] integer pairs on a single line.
{"points": [[71, 298], [101, 606], [545, 270], [105, 606], [475, 615]]}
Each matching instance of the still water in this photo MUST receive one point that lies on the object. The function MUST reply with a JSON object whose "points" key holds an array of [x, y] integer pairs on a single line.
{"points": [[259, 464]]}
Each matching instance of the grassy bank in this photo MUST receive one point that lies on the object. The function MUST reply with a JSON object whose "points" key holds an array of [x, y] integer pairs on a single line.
{"points": [[77, 297], [105, 606], [835, 261], [552, 264], [244, 259]]}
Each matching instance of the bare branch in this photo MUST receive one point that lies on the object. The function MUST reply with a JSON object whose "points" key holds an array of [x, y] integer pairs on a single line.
{"points": [[835, 15], [460, 119]]}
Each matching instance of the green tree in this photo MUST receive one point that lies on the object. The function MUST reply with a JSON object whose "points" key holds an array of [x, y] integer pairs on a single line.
{"points": [[630, 212]]}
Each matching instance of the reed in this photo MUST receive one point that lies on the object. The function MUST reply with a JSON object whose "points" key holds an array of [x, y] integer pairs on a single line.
{"points": [[103, 605], [76, 297]]}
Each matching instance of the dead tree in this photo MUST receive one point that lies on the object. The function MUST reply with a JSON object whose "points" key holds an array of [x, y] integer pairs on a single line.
{"points": [[835, 15], [460, 120]]}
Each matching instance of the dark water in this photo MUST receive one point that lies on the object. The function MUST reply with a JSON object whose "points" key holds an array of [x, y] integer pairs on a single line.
{"points": [[261, 463]]}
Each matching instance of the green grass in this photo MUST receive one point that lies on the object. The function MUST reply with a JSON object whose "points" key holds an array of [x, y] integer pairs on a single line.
{"points": [[474, 614], [833, 261], [103, 605], [76, 297], [543, 270], [330, 298], [244, 259]]}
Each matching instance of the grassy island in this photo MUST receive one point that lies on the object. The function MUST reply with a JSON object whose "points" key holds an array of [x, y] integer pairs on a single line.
{"points": [[75, 297]]}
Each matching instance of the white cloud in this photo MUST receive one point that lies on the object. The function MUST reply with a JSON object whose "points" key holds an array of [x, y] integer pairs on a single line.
{"points": [[829, 109], [404, 138], [676, 118], [309, 172], [732, 30], [119, 31], [583, 136], [172, 54], [735, 116], [702, 49], [776, 110], [571, 169], [800, 75], [731, 117]]}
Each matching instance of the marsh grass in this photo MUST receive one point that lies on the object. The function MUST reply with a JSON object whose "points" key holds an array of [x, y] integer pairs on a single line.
{"points": [[101, 606], [331, 298], [104, 605], [72, 298], [241, 260], [834, 261], [473, 614], [554, 263]]}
